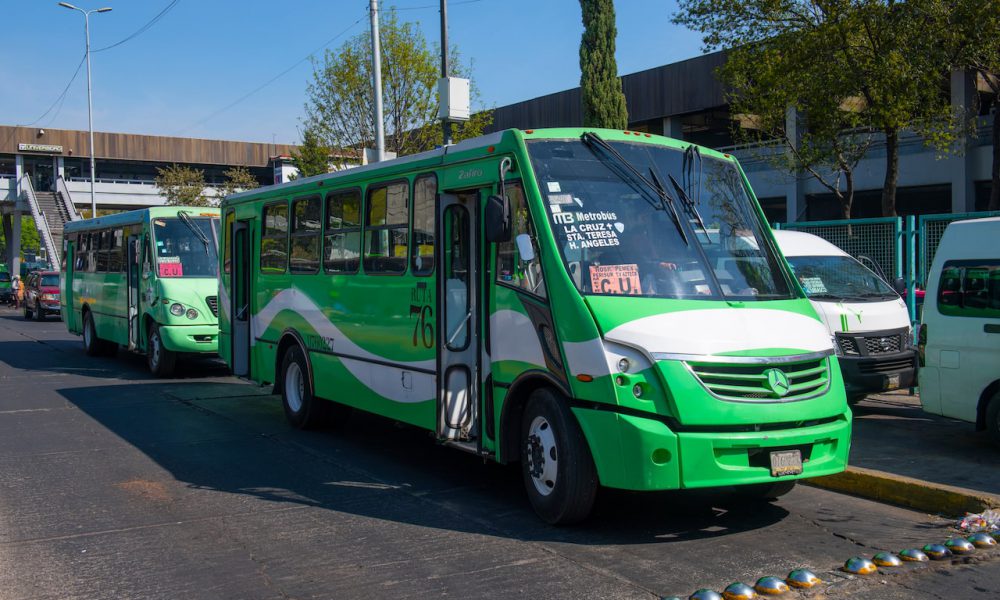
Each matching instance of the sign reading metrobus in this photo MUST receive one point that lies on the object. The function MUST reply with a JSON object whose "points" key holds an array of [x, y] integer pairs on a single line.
{"points": [[52, 148]]}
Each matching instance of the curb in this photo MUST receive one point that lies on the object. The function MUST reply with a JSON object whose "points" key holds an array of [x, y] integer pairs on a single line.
{"points": [[906, 491]]}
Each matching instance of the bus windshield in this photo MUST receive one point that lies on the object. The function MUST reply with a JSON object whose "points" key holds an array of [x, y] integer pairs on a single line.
{"points": [[839, 278], [186, 246], [647, 220]]}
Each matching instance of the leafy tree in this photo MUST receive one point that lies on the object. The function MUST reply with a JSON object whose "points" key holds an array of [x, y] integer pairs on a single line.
{"points": [[30, 240], [238, 179], [312, 157], [601, 89], [884, 58], [182, 186], [340, 108]]}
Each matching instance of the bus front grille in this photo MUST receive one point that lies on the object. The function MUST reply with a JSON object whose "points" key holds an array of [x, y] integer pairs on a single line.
{"points": [[213, 305], [756, 383]]}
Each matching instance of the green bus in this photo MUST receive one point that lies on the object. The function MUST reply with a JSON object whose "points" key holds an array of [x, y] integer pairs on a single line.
{"points": [[6, 285], [607, 308], [146, 280]]}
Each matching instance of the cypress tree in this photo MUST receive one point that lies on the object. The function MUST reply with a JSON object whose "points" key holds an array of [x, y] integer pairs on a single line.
{"points": [[601, 89]]}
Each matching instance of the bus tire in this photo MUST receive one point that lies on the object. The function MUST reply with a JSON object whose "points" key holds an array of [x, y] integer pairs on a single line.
{"points": [[993, 418], [161, 361], [91, 343], [302, 409], [556, 465]]}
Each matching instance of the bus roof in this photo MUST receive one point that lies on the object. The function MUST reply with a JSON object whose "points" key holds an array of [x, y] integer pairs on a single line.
{"points": [[459, 152], [137, 216]]}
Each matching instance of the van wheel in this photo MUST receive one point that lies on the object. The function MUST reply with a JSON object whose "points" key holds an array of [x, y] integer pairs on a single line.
{"points": [[161, 361], [39, 313], [27, 313], [993, 418], [91, 343], [556, 465], [302, 409]]}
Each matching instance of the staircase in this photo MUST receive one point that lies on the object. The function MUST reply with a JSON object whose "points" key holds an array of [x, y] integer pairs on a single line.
{"points": [[54, 210]]}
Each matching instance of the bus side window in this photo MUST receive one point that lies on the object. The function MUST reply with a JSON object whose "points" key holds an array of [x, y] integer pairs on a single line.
{"points": [[424, 194], [274, 239], [511, 270], [386, 228], [304, 256], [342, 234]]}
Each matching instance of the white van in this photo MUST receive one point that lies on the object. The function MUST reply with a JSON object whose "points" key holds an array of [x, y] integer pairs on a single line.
{"points": [[866, 317], [960, 330]]}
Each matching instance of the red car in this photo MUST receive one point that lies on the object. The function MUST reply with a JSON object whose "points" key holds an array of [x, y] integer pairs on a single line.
{"points": [[41, 294]]}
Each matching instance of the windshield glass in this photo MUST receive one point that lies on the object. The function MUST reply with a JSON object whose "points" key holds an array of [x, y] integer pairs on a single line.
{"points": [[618, 237], [839, 278], [181, 251], [49, 281]]}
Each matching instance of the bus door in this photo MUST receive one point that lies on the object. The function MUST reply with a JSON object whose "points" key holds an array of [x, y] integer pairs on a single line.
{"points": [[239, 289], [132, 268], [458, 316]]}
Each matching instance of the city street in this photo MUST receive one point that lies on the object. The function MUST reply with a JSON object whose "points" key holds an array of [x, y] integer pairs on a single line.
{"points": [[117, 485]]}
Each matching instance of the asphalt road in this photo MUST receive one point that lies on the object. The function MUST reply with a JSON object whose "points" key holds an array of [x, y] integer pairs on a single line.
{"points": [[117, 485]]}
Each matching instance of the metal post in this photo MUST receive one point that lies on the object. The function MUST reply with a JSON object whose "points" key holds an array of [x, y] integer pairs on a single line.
{"points": [[377, 82], [911, 269], [445, 123], [90, 120]]}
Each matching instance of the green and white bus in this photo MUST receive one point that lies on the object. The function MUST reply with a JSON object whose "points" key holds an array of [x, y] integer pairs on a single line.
{"points": [[607, 308], [146, 280]]}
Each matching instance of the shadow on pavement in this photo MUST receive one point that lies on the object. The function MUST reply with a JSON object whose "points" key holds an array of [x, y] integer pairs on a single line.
{"points": [[212, 436]]}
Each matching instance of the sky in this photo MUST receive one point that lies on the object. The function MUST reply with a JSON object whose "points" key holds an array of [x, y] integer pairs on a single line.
{"points": [[183, 74]]}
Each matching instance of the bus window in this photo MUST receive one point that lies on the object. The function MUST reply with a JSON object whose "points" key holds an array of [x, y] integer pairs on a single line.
{"points": [[456, 273], [115, 262], [274, 239], [526, 275], [386, 228], [227, 239], [342, 238], [424, 193], [304, 256]]}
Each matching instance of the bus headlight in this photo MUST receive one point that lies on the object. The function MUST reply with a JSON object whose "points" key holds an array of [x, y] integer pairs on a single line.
{"points": [[623, 365], [192, 313], [177, 309]]}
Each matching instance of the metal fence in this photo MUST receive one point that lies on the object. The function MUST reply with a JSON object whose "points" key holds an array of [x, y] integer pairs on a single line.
{"points": [[930, 229]]}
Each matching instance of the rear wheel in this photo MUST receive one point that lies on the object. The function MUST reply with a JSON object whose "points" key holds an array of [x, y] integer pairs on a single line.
{"points": [[161, 361], [302, 409], [39, 312], [993, 418], [556, 464], [91, 343], [27, 313]]}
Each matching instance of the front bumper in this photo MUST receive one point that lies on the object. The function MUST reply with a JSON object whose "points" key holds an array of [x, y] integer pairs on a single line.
{"points": [[50, 308], [866, 375], [638, 453], [190, 338]]}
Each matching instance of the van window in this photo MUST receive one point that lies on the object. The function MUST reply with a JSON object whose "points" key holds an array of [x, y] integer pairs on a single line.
{"points": [[970, 288]]}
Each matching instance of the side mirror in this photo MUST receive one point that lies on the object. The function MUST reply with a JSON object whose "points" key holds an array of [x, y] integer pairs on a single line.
{"points": [[524, 247], [899, 284], [498, 219]]}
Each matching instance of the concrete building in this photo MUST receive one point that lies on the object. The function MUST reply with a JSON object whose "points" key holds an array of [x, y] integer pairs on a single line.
{"points": [[684, 100], [45, 174]]}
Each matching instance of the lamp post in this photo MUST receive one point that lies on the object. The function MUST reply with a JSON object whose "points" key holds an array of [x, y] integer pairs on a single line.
{"points": [[90, 99]]}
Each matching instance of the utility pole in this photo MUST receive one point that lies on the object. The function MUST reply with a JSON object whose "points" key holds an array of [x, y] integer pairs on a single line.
{"points": [[445, 123], [377, 82]]}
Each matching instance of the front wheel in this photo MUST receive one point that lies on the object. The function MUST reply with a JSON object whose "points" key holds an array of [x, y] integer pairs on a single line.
{"points": [[91, 343], [993, 418], [302, 409], [556, 465], [161, 361], [39, 313], [27, 313]]}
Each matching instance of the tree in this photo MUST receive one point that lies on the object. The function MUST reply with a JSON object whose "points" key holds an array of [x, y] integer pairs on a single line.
{"points": [[182, 186], [885, 58], [238, 179], [312, 157], [600, 87], [340, 109]]}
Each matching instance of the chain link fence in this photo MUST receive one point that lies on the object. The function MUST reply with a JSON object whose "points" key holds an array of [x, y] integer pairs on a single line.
{"points": [[880, 239]]}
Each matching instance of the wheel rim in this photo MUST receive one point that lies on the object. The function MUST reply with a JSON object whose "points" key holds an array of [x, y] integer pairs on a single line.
{"points": [[543, 456], [295, 387], [154, 349]]}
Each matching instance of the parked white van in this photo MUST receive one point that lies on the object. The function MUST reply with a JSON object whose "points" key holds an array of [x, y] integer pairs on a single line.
{"points": [[867, 319], [960, 330]]}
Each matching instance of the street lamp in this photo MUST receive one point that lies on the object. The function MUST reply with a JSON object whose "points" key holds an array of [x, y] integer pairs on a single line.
{"points": [[90, 99]]}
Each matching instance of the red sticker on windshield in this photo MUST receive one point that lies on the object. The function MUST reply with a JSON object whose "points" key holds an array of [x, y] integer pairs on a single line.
{"points": [[615, 279], [171, 269]]}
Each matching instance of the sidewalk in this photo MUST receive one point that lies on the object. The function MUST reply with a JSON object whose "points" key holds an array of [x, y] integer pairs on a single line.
{"points": [[903, 455]]}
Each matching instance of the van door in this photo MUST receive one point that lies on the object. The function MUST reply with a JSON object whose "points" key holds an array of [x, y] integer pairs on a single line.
{"points": [[239, 285], [132, 267], [458, 316]]}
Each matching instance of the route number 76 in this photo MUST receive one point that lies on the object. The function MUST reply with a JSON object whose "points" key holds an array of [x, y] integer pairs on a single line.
{"points": [[423, 327]]}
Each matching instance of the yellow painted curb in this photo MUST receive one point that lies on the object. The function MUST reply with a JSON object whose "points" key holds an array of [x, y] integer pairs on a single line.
{"points": [[907, 491]]}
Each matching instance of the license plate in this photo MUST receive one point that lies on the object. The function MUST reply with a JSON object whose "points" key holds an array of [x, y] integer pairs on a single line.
{"points": [[892, 382], [786, 462]]}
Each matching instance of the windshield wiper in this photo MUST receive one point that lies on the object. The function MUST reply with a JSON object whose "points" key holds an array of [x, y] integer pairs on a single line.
{"points": [[688, 203], [186, 219], [631, 175]]}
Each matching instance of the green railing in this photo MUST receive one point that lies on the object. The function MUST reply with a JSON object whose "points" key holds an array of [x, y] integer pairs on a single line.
{"points": [[930, 230]]}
